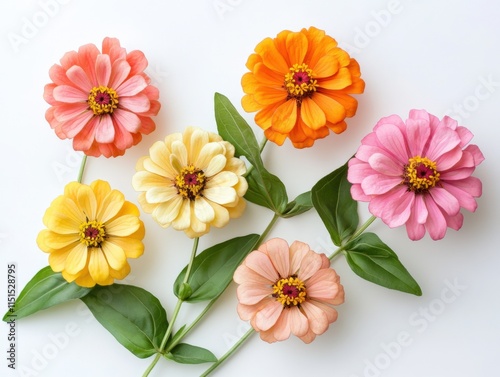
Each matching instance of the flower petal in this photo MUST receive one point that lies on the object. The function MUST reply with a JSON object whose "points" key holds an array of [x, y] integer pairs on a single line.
{"points": [[285, 117]]}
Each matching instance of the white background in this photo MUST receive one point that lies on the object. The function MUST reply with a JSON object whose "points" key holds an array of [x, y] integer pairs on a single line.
{"points": [[441, 56]]}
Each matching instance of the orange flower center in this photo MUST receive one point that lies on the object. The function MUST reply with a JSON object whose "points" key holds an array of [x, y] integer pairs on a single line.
{"points": [[102, 100], [92, 233], [299, 82], [190, 182], [290, 291], [420, 174]]}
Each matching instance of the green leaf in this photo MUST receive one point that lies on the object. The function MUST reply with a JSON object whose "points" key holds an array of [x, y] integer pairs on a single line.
{"points": [[234, 129], [265, 189], [301, 204], [188, 354], [332, 199], [131, 314], [47, 288], [213, 269], [374, 261]]}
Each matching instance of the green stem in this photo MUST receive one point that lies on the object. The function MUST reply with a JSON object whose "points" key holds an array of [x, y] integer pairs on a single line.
{"points": [[353, 237], [251, 330], [175, 313], [212, 302], [228, 353], [82, 169]]}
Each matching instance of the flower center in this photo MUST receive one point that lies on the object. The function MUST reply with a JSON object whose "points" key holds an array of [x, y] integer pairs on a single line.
{"points": [[102, 100], [92, 233], [290, 291], [420, 174], [299, 82], [190, 182]]}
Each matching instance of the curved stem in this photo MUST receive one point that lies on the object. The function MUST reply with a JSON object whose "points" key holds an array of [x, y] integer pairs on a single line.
{"points": [[353, 237], [229, 352], [82, 169], [175, 313], [268, 229]]}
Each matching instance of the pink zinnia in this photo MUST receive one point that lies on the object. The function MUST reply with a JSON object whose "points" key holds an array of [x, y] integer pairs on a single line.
{"points": [[103, 101], [417, 173], [287, 290]]}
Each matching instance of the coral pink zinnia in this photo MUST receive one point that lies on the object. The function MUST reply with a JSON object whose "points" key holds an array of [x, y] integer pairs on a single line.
{"points": [[101, 100], [417, 173], [288, 290]]}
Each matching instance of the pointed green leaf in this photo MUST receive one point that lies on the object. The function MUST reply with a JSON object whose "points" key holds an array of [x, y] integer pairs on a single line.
{"points": [[301, 204], [267, 190], [234, 129], [332, 199], [188, 354], [131, 314], [47, 288], [374, 261], [213, 269]]}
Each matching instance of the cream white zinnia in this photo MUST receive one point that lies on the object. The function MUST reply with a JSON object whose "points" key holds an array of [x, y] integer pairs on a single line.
{"points": [[191, 181]]}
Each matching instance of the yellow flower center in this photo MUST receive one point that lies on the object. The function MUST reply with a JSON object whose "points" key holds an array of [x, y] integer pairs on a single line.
{"points": [[190, 182], [420, 174], [92, 233], [290, 291], [102, 100], [299, 82]]}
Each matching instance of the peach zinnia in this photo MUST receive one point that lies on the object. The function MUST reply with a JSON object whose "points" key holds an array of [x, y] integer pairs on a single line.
{"points": [[101, 100], [301, 84], [417, 173], [287, 290]]}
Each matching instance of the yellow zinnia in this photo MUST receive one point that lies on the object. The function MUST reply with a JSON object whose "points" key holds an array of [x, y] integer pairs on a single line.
{"points": [[191, 181], [300, 84], [91, 231]]}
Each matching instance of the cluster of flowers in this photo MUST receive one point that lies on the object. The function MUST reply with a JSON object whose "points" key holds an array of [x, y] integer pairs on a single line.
{"points": [[416, 173]]}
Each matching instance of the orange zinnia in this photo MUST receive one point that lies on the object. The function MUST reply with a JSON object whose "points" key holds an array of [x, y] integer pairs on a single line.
{"points": [[300, 84]]}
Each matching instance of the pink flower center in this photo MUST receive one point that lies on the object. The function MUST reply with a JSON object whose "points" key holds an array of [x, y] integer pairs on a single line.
{"points": [[102, 100], [191, 179], [290, 291], [301, 77], [190, 182], [420, 174], [92, 233], [299, 82]]}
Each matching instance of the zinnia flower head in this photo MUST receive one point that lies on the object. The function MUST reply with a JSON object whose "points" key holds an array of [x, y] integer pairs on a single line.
{"points": [[91, 231], [101, 100], [287, 290], [417, 173], [301, 84], [191, 181]]}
